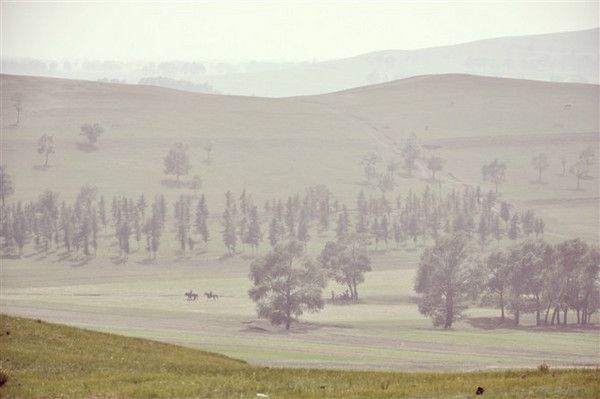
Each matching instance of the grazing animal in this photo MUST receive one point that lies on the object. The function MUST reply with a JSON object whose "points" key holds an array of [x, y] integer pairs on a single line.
{"points": [[479, 391], [191, 295], [210, 295]]}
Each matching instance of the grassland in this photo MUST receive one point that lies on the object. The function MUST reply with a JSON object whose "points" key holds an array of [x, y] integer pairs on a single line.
{"points": [[48, 360], [383, 332], [276, 148]]}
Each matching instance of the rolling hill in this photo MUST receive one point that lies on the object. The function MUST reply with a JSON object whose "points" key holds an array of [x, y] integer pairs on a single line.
{"points": [[306, 140]]}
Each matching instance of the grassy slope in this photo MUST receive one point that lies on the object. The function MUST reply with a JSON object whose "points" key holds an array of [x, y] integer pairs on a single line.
{"points": [[469, 120], [48, 360]]}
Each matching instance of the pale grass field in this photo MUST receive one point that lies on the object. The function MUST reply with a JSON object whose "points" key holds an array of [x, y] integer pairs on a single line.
{"points": [[383, 332]]}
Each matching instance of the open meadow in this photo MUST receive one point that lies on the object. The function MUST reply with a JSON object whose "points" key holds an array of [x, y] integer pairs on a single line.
{"points": [[384, 332]]}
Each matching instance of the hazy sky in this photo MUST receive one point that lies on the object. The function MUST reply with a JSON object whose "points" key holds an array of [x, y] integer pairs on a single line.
{"points": [[271, 31]]}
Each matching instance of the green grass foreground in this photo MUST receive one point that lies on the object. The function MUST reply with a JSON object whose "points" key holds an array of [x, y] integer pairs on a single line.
{"points": [[49, 360]]}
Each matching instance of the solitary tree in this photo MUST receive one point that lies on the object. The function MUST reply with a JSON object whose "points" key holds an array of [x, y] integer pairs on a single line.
{"points": [[17, 100], [494, 172], [579, 170], [369, 163], [410, 152], [6, 185], [196, 183], [46, 147], [435, 164], [208, 148], [346, 261], [540, 163], [445, 280], [91, 132], [286, 284], [587, 156], [177, 161]]}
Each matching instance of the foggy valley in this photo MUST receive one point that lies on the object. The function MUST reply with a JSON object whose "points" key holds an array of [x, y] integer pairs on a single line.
{"points": [[399, 223]]}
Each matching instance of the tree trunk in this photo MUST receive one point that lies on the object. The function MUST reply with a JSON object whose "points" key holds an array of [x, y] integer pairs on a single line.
{"points": [[449, 311], [547, 312], [538, 321], [565, 317], [350, 289], [502, 306]]}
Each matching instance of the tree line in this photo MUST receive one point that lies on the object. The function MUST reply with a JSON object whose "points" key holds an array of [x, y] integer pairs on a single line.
{"points": [[407, 219], [530, 277]]}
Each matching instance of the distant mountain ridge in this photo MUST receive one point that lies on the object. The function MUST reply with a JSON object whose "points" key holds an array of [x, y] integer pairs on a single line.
{"points": [[558, 57]]}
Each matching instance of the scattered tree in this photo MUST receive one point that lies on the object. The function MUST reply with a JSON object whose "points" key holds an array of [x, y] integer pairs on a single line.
{"points": [[445, 280], [208, 148], [369, 163], [580, 171], [6, 185], [196, 183], [91, 132], [435, 164], [540, 163], [46, 147], [17, 100], [411, 152], [587, 157], [286, 283], [202, 219], [494, 172], [177, 161], [346, 261]]}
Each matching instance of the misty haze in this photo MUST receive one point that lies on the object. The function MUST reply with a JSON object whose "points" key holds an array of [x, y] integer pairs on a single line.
{"points": [[403, 202]]}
